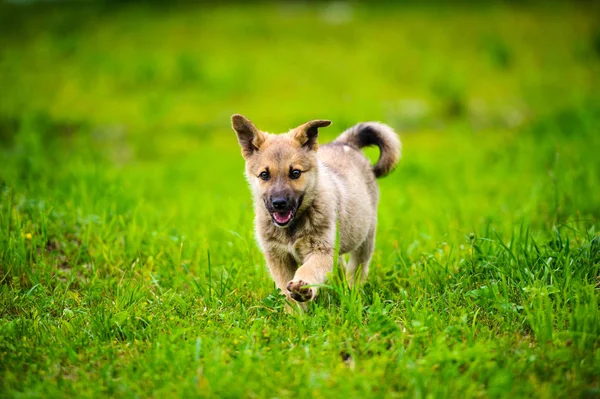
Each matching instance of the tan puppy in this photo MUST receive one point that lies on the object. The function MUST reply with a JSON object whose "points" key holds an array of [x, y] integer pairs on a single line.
{"points": [[302, 190]]}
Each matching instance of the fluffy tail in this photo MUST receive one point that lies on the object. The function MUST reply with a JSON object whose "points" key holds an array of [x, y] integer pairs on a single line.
{"points": [[374, 133]]}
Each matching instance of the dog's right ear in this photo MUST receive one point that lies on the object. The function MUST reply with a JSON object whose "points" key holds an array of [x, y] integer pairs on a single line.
{"points": [[249, 137]]}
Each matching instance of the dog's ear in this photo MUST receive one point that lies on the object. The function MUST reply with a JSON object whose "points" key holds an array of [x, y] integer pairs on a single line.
{"points": [[307, 134], [249, 137]]}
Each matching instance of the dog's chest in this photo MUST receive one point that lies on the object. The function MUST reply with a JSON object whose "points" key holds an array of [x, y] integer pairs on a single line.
{"points": [[288, 248]]}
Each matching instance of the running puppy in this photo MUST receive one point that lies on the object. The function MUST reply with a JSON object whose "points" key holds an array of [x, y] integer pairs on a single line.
{"points": [[301, 190]]}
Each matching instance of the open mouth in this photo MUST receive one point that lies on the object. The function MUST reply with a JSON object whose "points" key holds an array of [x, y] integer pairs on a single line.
{"points": [[283, 218]]}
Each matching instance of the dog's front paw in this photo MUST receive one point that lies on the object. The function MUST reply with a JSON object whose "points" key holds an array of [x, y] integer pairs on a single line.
{"points": [[300, 291]]}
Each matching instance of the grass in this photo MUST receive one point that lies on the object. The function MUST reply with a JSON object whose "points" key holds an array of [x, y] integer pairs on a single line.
{"points": [[128, 265]]}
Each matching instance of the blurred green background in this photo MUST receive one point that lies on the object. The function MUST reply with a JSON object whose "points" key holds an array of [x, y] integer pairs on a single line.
{"points": [[125, 218]]}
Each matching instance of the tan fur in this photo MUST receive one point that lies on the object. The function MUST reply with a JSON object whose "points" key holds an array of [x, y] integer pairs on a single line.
{"points": [[337, 184]]}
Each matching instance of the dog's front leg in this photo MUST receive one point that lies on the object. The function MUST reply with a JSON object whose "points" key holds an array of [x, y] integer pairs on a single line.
{"points": [[282, 267], [314, 271]]}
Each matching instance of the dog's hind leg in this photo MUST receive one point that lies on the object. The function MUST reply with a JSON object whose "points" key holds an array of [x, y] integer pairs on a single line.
{"points": [[358, 266], [342, 262]]}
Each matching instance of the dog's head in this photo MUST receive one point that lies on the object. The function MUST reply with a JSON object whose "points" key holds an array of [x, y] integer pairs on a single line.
{"points": [[282, 168]]}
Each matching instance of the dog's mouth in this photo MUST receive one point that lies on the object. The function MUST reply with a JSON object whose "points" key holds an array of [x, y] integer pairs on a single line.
{"points": [[283, 218]]}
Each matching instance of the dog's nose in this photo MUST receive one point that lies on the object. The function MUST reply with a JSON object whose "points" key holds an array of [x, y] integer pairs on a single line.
{"points": [[279, 203]]}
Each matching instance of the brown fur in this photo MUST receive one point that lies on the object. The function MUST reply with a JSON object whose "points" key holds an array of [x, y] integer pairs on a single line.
{"points": [[336, 184]]}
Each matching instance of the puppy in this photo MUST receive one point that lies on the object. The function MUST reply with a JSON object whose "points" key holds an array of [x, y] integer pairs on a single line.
{"points": [[302, 191]]}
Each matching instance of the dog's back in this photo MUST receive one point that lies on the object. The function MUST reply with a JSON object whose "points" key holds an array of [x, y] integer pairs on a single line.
{"points": [[353, 178]]}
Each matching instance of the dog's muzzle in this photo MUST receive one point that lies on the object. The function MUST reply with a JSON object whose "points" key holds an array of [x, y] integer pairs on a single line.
{"points": [[283, 210]]}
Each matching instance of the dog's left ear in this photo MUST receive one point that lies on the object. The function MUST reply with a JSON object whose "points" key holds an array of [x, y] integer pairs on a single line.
{"points": [[307, 133]]}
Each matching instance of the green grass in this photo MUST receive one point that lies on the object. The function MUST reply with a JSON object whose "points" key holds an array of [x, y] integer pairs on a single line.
{"points": [[128, 265]]}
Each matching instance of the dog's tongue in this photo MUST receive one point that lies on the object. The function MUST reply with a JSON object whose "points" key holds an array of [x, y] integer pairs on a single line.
{"points": [[282, 217]]}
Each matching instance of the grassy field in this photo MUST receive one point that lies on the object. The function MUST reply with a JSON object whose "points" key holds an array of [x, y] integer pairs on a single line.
{"points": [[128, 266]]}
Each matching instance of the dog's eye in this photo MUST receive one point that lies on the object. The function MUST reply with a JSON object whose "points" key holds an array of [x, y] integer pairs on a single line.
{"points": [[294, 174], [264, 175]]}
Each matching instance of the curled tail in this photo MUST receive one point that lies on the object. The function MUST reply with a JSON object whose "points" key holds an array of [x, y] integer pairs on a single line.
{"points": [[374, 133]]}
